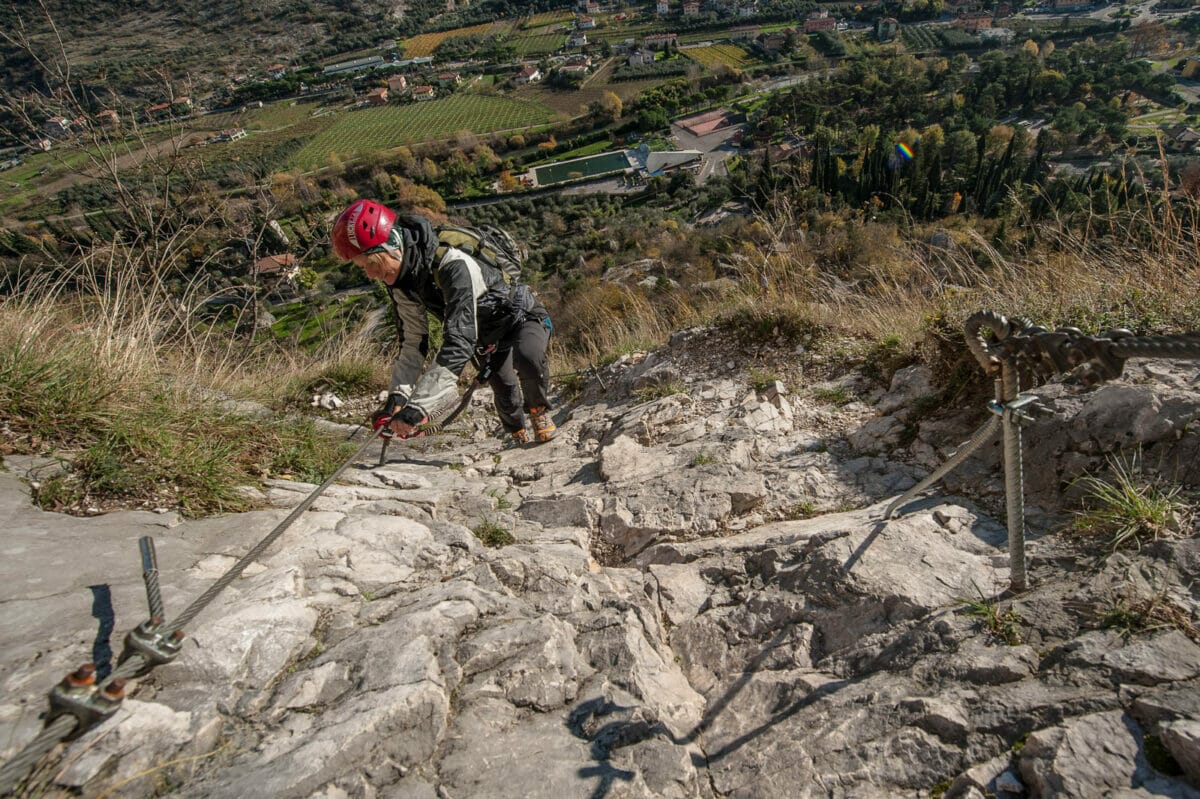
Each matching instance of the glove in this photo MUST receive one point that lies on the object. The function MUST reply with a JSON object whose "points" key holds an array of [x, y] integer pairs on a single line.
{"points": [[385, 415], [380, 419]]}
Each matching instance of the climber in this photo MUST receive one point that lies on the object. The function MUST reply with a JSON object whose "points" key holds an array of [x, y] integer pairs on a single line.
{"points": [[478, 309]]}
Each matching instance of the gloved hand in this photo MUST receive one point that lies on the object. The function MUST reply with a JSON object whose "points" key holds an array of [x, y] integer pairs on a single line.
{"points": [[405, 424], [383, 416], [406, 430], [380, 419]]}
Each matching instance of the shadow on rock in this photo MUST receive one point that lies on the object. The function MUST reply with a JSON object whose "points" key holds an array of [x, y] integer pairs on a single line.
{"points": [[608, 726]]}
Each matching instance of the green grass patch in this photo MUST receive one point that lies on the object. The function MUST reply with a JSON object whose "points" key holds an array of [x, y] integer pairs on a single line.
{"points": [[762, 379], [837, 395], [655, 391], [785, 325], [370, 129], [493, 535], [1003, 625], [1128, 509], [189, 456]]}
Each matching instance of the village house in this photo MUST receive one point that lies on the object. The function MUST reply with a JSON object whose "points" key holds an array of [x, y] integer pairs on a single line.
{"points": [[231, 134], [577, 39], [378, 96], [691, 8], [276, 71], [158, 111], [574, 70], [886, 28], [662, 8], [56, 126], [661, 41], [747, 10], [820, 22], [973, 21], [775, 42], [397, 83], [591, 8], [639, 58], [424, 92], [448, 79], [1180, 138], [527, 74], [108, 119], [277, 270], [585, 23], [744, 33]]}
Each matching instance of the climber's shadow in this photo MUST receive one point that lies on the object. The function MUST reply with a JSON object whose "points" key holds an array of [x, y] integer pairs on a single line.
{"points": [[628, 726]]}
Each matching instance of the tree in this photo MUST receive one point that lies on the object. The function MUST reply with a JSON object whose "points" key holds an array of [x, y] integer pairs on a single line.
{"points": [[608, 107]]}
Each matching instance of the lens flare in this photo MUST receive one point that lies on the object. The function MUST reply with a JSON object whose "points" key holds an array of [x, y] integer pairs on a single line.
{"points": [[904, 151]]}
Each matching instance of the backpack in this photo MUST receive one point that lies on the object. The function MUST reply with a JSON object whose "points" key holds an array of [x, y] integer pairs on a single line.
{"points": [[486, 244]]}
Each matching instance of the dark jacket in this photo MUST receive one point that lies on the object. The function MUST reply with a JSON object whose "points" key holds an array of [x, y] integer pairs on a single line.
{"points": [[473, 302]]}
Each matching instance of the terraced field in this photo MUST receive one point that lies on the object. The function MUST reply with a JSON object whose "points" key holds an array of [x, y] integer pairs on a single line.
{"points": [[391, 126]]}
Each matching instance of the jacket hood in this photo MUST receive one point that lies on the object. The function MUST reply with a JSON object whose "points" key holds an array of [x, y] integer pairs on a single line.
{"points": [[420, 241]]}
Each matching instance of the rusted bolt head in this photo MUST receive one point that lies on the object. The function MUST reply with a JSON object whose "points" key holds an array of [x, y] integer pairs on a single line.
{"points": [[156, 621], [115, 690], [177, 635], [83, 676]]}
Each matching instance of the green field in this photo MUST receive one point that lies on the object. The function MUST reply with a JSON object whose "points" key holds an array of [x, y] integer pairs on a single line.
{"points": [[548, 18], [269, 117], [592, 166], [371, 129], [539, 42], [728, 54]]}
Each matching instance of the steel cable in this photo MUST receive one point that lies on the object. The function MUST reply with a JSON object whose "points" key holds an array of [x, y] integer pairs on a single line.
{"points": [[62, 727], [202, 601]]}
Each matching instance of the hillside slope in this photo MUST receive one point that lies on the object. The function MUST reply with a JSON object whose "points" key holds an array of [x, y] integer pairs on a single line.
{"points": [[691, 592], [141, 45]]}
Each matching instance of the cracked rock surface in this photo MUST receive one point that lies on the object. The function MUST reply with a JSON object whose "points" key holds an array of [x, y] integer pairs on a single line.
{"points": [[700, 597]]}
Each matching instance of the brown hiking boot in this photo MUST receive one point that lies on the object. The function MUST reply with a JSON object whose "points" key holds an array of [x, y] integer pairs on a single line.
{"points": [[543, 425], [520, 437]]}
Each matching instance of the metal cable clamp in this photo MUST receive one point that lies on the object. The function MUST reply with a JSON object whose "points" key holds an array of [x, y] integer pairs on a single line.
{"points": [[79, 696], [155, 646]]}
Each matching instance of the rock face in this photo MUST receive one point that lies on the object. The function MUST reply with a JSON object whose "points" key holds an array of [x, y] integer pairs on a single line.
{"points": [[700, 597]]}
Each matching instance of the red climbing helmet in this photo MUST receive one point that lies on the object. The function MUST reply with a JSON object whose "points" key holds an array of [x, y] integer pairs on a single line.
{"points": [[363, 226]]}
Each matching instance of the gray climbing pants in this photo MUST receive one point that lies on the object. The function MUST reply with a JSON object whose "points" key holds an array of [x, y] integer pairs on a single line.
{"points": [[520, 369]]}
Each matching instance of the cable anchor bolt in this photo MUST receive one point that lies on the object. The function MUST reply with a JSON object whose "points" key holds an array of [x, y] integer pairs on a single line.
{"points": [[1020, 411], [78, 695]]}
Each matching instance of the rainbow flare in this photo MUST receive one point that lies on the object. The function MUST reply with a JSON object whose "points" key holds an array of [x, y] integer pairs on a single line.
{"points": [[905, 152]]}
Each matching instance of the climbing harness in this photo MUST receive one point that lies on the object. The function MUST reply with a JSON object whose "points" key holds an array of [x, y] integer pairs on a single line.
{"points": [[79, 702], [1021, 352]]}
